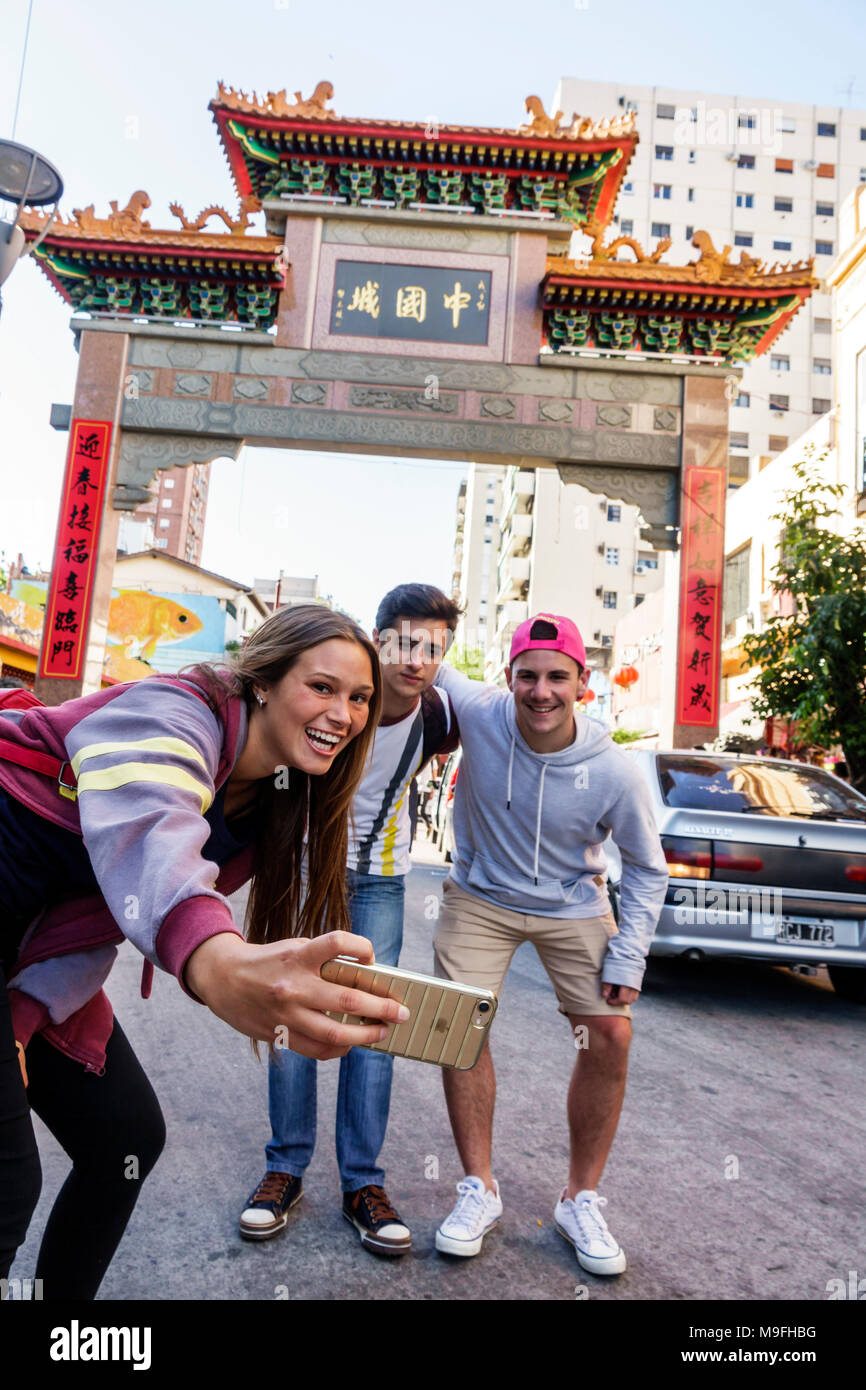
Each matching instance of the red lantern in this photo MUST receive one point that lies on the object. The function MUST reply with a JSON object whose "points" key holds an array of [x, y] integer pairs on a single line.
{"points": [[626, 676], [587, 696]]}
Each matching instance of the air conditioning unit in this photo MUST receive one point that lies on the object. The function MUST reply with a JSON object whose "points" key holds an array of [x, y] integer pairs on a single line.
{"points": [[640, 569], [732, 156], [599, 591], [810, 164]]}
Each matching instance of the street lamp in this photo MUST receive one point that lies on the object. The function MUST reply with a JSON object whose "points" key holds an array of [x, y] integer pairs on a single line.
{"points": [[26, 179]]}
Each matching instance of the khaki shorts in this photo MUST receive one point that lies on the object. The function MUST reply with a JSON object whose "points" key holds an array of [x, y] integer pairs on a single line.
{"points": [[475, 940]]}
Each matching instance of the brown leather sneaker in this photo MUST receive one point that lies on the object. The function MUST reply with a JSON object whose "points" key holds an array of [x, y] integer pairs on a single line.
{"points": [[267, 1210], [378, 1224]]}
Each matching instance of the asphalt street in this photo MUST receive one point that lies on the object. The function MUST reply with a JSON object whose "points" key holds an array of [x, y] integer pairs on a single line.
{"points": [[737, 1172]]}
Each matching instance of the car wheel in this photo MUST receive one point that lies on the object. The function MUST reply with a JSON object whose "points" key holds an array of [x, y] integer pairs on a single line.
{"points": [[849, 982]]}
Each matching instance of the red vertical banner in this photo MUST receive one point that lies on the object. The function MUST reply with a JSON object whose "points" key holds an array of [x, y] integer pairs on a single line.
{"points": [[67, 612], [700, 619]]}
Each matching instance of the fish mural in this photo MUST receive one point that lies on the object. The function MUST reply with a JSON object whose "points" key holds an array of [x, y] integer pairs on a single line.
{"points": [[139, 621]]}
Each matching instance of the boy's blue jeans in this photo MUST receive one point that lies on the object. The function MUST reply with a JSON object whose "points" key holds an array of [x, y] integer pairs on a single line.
{"points": [[364, 1094]]}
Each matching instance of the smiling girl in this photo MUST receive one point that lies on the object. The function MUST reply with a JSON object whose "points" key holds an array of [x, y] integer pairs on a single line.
{"points": [[132, 813]]}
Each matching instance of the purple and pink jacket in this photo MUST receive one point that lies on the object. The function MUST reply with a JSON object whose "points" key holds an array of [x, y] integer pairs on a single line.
{"points": [[148, 758]]}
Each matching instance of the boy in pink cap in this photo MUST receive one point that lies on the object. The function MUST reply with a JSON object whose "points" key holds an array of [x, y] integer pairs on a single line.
{"points": [[538, 793]]}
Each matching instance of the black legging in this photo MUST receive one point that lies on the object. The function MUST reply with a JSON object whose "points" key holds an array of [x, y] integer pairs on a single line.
{"points": [[111, 1127]]}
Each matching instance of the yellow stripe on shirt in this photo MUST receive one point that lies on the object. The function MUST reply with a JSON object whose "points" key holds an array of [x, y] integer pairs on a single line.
{"points": [[110, 778], [178, 746]]}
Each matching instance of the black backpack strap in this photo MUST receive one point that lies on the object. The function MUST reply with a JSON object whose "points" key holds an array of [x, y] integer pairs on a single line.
{"points": [[440, 727]]}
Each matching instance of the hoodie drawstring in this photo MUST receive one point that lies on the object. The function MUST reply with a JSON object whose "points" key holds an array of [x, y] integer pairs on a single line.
{"points": [[510, 766], [538, 818]]}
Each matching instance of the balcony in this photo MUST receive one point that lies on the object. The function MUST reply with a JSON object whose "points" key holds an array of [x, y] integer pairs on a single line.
{"points": [[516, 535], [520, 490], [513, 611], [513, 574]]}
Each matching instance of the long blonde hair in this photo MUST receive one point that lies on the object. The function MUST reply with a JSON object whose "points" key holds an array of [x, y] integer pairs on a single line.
{"points": [[319, 805]]}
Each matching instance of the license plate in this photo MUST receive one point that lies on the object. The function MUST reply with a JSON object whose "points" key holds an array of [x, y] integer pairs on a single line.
{"points": [[809, 932]]}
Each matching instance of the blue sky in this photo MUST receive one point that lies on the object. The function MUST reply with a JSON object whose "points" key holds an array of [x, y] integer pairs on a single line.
{"points": [[116, 97]]}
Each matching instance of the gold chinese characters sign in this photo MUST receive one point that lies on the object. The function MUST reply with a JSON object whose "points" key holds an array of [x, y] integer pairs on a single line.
{"points": [[421, 302]]}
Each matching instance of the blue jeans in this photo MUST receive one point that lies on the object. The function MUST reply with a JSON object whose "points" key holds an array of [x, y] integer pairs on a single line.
{"points": [[364, 1093]]}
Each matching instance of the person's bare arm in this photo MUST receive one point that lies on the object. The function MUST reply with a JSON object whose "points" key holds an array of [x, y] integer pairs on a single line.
{"points": [[260, 989]]}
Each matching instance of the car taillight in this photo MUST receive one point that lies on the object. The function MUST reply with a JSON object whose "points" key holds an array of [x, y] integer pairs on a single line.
{"points": [[743, 863], [856, 873], [688, 858]]}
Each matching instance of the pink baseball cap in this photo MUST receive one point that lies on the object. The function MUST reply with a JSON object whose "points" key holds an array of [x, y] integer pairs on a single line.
{"points": [[567, 639]]}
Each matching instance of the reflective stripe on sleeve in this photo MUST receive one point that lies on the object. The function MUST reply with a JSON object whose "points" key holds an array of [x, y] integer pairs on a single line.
{"points": [[177, 746], [109, 778]]}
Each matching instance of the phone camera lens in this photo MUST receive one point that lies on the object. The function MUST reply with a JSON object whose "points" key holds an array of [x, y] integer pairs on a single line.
{"points": [[483, 1008]]}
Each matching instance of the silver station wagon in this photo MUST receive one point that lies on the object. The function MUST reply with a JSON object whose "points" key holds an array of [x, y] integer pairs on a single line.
{"points": [[767, 859]]}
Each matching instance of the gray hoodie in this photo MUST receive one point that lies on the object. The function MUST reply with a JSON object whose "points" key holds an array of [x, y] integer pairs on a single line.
{"points": [[529, 827]]}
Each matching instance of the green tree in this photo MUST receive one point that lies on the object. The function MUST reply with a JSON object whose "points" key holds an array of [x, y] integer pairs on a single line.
{"points": [[627, 735], [813, 660], [469, 660]]}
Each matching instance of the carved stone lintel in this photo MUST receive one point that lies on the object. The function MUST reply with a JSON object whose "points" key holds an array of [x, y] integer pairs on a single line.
{"points": [[653, 491], [141, 456], [617, 416]]}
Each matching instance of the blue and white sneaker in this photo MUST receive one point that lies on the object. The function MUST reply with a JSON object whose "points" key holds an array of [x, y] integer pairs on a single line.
{"points": [[477, 1212], [581, 1222]]}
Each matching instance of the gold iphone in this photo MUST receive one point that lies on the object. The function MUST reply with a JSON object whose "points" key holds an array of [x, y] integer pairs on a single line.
{"points": [[448, 1022]]}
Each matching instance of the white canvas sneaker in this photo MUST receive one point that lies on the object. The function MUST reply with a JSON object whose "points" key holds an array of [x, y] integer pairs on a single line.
{"points": [[477, 1212], [581, 1222]]}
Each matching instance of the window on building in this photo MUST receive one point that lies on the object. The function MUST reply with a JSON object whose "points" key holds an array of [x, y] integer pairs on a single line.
{"points": [[739, 440], [614, 511], [661, 229], [822, 326], [167, 501], [746, 161], [611, 555], [489, 517], [664, 151], [743, 398], [822, 365], [736, 591], [744, 239], [649, 562], [665, 112], [692, 156], [779, 402], [826, 128], [161, 543], [779, 362], [787, 125], [738, 469], [746, 121], [661, 190], [823, 248], [690, 231], [691, 195], [863, 132], [164, 521], [628, 188], [606, 639], [825, 209], [820, 405], [783, 205], [784, 166], [777, 443], [745, 200], [627, 226], [609, 598], [782, 245], [825, 171], [168, 482], [863, 175]]}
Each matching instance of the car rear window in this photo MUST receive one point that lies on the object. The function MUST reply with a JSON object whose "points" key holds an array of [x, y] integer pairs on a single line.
{"points": [[757, 786]]}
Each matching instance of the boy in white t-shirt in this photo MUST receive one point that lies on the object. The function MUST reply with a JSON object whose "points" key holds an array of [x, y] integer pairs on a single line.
{"points": [[414, 628]]}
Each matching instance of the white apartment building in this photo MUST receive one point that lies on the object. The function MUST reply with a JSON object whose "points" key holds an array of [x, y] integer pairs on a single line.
{"points": [[475, 550], [529, 543], [764, 177]]}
